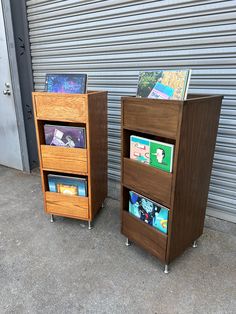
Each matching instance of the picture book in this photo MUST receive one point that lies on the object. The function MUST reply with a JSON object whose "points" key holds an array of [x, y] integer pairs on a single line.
{"points": [[154, 153], [164, 84], [66, 83], [148, 211], [67, 185], [140, 149], [66, 136], [161, 155]]}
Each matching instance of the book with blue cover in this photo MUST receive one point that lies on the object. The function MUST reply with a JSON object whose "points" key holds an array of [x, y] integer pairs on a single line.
{"points": [[140, 149], [164, 84], [154, 153], [67, 185], [66, 136], [66, 83], [149, 211]]}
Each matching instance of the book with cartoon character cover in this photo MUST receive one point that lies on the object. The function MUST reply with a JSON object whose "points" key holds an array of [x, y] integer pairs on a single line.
{"points": [[161, 155], [164, 84], [154, 153], [140, 149], [66, 83], [148, 211], [66, 136], [67, 185]]}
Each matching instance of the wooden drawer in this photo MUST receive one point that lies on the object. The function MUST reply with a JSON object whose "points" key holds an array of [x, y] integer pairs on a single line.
{"points": [[159, 118], [147, 180], [144, 235], [64, 159], [67, 206], [63, 107]]}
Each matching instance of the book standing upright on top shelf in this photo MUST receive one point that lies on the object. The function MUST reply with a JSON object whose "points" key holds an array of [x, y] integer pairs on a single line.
{"points": [[66, 83], [164, 84]]}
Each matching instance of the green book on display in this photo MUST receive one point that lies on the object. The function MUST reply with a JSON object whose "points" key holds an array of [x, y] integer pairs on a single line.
{"points": [[161, 155]]}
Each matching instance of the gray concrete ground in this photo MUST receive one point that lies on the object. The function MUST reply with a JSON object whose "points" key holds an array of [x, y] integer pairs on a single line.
{"points": [[65, 268]]}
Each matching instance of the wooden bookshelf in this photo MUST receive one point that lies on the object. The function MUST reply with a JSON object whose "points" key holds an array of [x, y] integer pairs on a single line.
{"points": [[190, 125], [86, 110]]}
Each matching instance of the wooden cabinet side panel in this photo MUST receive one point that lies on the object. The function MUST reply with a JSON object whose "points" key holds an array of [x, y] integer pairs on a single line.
{"points": [[196, 150], [97, 151], [40, 139]]}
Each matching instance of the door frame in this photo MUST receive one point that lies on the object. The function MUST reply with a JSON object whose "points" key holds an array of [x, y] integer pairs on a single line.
{"points": [[6, 8]]}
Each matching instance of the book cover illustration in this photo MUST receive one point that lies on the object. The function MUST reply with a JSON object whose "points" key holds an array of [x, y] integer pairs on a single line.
{"points": [[154, 153], [66, 136], [67, 185], [66, 83], [139, 149], [164, 84], [161, 155], [148, 211]]}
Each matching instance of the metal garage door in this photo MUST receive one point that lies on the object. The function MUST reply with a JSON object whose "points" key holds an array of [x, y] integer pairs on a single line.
{"points": [[112, 40]]}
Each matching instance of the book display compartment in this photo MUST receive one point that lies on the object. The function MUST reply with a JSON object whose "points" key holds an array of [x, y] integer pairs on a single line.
{"points": [[191, 126], [78, 110]]}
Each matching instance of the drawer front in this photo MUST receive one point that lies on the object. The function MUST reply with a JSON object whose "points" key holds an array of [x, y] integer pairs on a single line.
{"points": [[147, 180], [62, 108], [149, 116], [144, 235], [67, 206], [65, 159]]}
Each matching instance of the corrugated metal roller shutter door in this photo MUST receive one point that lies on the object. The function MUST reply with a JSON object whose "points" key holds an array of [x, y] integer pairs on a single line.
{"points": [[113, 40]]}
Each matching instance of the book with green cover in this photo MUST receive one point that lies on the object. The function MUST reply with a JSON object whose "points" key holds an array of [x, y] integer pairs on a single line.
{"points": [[164, 84], [161, 155]]}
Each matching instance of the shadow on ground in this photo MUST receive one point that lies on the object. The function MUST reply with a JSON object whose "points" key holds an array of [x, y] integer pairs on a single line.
{"points": [[65, 268]]}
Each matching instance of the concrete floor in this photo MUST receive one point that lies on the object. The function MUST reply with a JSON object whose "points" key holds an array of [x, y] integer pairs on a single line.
{"points": [[65, 268]]}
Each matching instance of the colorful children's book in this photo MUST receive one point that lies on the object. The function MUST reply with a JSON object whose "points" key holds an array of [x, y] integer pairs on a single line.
{"points": [[154, 153], [66, 83], [148, 211], [67, 136], [67, 185], [164, 84], [140, 149], [161, 155]]}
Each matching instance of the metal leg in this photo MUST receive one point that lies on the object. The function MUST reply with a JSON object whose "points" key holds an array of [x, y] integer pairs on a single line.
{"points": [[51, 218], [90, 225], [166, 270], [102, 205], [127, 243], [194, 244]]}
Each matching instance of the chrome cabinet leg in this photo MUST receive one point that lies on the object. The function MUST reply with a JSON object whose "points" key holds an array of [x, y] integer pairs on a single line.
{"points": [[166, 269], [194, 244], [51, 218], [103, 205], [90, 225], [127, 242]]}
